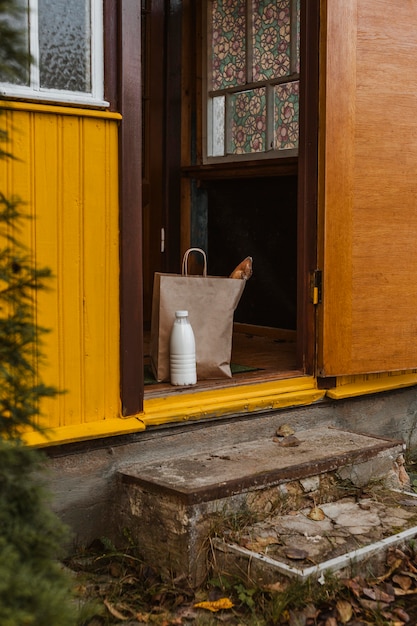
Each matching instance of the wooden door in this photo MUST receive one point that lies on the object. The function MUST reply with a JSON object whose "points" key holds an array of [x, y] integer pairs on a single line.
{"points": [[368, 187], [161, 70], [153, 25]]}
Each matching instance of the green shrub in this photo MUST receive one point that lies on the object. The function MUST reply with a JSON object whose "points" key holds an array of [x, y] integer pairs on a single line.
{"points": [[34, 589]]}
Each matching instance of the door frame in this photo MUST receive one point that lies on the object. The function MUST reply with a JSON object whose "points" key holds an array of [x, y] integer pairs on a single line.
{"points": [[129, 104], [308, 185], [130, 198]]}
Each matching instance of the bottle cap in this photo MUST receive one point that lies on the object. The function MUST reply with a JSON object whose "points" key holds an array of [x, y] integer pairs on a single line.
{"points": [[181, 313]]}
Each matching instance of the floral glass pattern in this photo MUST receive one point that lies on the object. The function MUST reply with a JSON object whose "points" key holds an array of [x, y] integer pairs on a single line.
{"points": [[228, 44], [248, 132], [271, 39], [286, 116], [253, 75]]}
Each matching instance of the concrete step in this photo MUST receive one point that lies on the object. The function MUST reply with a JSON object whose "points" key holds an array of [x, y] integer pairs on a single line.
{"points": [[173, 507], [349, 537]]}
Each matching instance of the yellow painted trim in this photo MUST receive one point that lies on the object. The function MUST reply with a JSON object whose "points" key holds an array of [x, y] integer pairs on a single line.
{"points": [[385, 383], [32, 107], [81, 432], [189, 406], [237, 400]]}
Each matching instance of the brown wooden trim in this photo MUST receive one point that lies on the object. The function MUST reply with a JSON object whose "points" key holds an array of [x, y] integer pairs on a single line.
{"points": [[285, 166], [131, 313], [110, 53], [172, 142], [307, 181], [265, 331], [326, 383]]}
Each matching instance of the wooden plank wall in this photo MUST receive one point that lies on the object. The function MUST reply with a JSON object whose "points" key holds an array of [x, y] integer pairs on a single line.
{"points": [[369, 191], [65, 171]]}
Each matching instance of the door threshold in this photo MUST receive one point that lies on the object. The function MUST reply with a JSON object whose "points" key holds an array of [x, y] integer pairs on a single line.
{"points": [[158, 390], [213, 402]]}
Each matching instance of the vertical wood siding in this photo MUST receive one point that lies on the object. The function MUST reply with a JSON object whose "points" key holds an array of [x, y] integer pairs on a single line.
{"points": [[65, 171]]}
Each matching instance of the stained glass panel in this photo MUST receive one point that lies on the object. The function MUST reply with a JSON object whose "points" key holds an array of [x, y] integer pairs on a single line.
{"points": [[271, 39], [286, 116], [248, 127], [228, 60], [254, 65]]}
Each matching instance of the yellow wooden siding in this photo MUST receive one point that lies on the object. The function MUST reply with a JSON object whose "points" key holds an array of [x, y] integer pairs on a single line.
{"points": [[66, 172]]}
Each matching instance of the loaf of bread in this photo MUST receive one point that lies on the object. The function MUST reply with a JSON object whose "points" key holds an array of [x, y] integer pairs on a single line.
{"points": [[243, 270]]}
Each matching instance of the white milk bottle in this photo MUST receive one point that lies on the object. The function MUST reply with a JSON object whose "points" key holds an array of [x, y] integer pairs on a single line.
{"points": [[182, 351]]}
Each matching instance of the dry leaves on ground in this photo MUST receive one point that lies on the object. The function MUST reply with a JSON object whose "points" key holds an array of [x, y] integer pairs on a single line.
{"points": [[130, 593]]}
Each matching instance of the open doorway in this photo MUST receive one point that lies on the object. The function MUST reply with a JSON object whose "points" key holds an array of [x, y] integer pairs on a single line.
{"points": [[257, 199], [258, 217]]}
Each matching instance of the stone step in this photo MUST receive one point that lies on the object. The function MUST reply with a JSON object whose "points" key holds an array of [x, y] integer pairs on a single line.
{"points": [[172, 507], [349, 537]]}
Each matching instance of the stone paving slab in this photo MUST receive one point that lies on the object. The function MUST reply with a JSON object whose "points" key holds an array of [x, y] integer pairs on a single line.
{"points": [[351, 530]]}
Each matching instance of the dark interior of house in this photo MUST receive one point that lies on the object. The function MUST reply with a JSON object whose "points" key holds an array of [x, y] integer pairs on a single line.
{"points": [[257, 217]]}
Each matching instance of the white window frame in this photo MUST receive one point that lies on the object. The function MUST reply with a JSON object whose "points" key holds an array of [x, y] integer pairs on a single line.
{"points": [[35, 92]]}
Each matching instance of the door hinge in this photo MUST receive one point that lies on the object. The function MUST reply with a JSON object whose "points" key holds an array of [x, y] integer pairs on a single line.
{"points": [[316, 286], [162, 239]]}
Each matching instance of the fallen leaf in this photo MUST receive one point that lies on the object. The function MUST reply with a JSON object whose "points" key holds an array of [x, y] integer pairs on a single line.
{"points": [[354, 586], [372, 605], [401, 614], [344, 611], [216, 605], [378, 595], [404, 592], [409, 574], [390, 617], [402, 581], [394, 565], [330, 621], [316, 514]]}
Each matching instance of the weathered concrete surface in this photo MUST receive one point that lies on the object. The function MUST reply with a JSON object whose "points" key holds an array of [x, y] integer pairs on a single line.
{"points": [[82, 477], [171, 507], [262, 462]]}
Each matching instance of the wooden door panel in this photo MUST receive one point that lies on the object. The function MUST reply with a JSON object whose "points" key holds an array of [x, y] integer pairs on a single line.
{"points": [[368, 190]]}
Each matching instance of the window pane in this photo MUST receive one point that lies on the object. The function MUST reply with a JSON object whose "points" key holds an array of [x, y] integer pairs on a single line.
{"points": [[271, 39], [15, 68], [248, 127], [228, 38], [64, 45], [286, 116], [217, 134]]}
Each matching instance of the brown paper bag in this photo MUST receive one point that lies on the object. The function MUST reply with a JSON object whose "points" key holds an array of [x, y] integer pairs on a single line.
{"points": [[210, 302]]}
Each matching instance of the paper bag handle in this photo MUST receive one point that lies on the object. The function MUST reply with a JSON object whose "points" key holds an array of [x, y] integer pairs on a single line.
{"points": [[185, 261]]}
